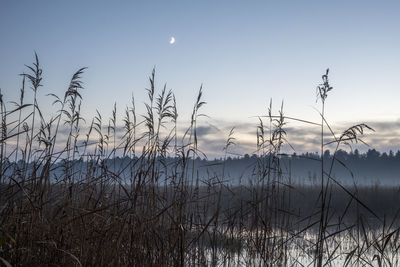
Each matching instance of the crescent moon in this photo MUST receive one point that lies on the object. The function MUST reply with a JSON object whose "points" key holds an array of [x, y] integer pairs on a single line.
{"points": [[172, 40]]}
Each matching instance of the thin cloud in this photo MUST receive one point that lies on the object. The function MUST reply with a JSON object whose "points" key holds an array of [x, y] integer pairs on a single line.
{"points": [[212, 136], [303, 138]]}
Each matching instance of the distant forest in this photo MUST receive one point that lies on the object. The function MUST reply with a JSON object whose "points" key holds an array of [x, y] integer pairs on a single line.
{"points": [[370, 168]]}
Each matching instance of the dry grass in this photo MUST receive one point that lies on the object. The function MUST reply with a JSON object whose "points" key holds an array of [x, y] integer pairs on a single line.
{"points": [[67, 201]]}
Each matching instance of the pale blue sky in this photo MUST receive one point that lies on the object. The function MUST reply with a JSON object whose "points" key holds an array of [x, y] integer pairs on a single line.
{"points": [[244, 52]]}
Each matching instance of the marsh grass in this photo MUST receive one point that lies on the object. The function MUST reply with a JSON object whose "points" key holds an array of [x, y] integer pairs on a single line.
{"points": [[67, 201]]}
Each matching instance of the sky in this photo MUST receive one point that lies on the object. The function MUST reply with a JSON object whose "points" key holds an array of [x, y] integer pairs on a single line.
{"points": [[244, 53]]}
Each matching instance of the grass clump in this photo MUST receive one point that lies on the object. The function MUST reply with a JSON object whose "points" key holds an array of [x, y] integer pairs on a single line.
{"points": [[106, 195]]}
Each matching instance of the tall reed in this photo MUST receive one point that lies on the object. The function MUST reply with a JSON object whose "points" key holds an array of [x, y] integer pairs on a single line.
{"points": [[137, 190]]}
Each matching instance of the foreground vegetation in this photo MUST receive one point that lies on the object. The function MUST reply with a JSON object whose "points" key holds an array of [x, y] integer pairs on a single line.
{"points": [[55, 212]]}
